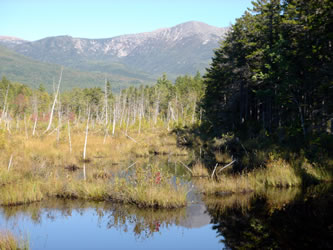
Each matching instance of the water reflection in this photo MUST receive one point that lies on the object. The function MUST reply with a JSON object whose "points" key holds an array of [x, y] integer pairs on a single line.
{"points": [[48, 222], [173, 164], [275, 219], [270, 219]]}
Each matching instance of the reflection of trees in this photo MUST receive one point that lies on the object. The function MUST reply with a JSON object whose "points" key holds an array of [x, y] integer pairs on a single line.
{"points": [[269, 222], [144, 223]]}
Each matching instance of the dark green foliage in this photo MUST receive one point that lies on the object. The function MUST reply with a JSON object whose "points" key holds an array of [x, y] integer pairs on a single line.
{"points": [[273, 75]]}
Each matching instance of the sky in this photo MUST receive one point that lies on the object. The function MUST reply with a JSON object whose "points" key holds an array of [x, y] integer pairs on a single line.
{"points": [[36, 19]]}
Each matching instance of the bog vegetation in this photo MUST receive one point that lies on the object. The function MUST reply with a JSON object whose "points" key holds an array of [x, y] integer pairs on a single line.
{"points": [[261, 116], [75, 144]]}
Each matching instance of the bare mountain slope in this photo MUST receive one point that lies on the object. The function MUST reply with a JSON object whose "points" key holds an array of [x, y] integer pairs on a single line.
{"points": [[182, 49]]}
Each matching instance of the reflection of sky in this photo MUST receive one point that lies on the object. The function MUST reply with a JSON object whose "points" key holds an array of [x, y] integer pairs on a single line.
{"points": [[85, 230]]}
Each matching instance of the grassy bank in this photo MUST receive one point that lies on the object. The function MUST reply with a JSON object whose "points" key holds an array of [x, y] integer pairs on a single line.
{"points": [[276, 173], [231, 165]]}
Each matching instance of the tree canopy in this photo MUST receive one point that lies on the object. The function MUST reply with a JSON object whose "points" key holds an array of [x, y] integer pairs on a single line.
{"points": [[273, 72]]}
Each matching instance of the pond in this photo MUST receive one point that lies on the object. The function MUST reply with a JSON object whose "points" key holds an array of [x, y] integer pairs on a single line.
{"points": [[64, 224], [271, 219]]}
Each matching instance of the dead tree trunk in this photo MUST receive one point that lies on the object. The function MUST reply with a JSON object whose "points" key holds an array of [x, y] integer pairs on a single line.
{"points": [[86, 138], [106, 104], [5, 104], [54, 102], [69, 138]]}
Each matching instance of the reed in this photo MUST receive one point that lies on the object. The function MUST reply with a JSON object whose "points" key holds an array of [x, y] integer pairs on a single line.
{"points": [[9, 242], [22, 192], [199, 170]]}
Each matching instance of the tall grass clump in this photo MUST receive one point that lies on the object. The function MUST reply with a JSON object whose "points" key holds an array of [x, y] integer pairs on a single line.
{"points": [[153, 187], [22, 192], [199, 170], [277, 173], [144, 186], [225, 184], [9, 242], [317, 173]]}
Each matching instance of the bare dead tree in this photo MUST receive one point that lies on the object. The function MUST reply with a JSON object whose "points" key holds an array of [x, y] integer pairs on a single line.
{"points": [[69, 137], [54, 103], [86, 138], [5, 104], [106, 103], [10, 162]]}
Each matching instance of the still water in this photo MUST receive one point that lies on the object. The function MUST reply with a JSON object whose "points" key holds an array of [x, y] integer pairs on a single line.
{"points": [[60, 224], [270, 219]]}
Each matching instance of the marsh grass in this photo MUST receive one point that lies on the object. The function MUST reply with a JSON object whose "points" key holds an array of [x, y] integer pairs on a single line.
{"points": [[277, 173], [41, 167], [274, 198], [150, 186], [145, 188], [199, 170], [317, 173], [226, 184], [9, 242], [22, 192]]}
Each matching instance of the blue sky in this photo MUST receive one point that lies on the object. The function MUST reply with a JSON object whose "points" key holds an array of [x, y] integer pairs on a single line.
{"points": [[36, 19]]}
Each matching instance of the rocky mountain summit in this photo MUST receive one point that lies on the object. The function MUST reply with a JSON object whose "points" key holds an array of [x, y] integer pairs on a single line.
{"points": [[182, 49]]}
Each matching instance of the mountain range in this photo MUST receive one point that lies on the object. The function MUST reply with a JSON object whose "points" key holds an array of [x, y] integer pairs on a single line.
{"points": [[127, 59]]}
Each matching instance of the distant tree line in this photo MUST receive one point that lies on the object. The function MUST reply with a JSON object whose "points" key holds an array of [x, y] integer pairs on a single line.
{"points": [[165, 103]]}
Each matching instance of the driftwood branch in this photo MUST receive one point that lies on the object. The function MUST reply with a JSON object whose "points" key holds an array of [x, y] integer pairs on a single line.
{"points": [[186, 166], [10, 161], [129, 166], [130, 137], [229, 164], [214, 170]]}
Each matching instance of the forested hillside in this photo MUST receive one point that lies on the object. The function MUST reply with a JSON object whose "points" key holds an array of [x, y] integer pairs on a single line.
{"points": [[28, 71]]}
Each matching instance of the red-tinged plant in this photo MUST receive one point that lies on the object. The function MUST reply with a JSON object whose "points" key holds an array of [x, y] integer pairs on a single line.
{"points": [[158, 178]]}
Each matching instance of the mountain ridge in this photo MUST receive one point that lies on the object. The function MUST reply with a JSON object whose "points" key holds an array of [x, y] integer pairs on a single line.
{"points": [[182, 49]]}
